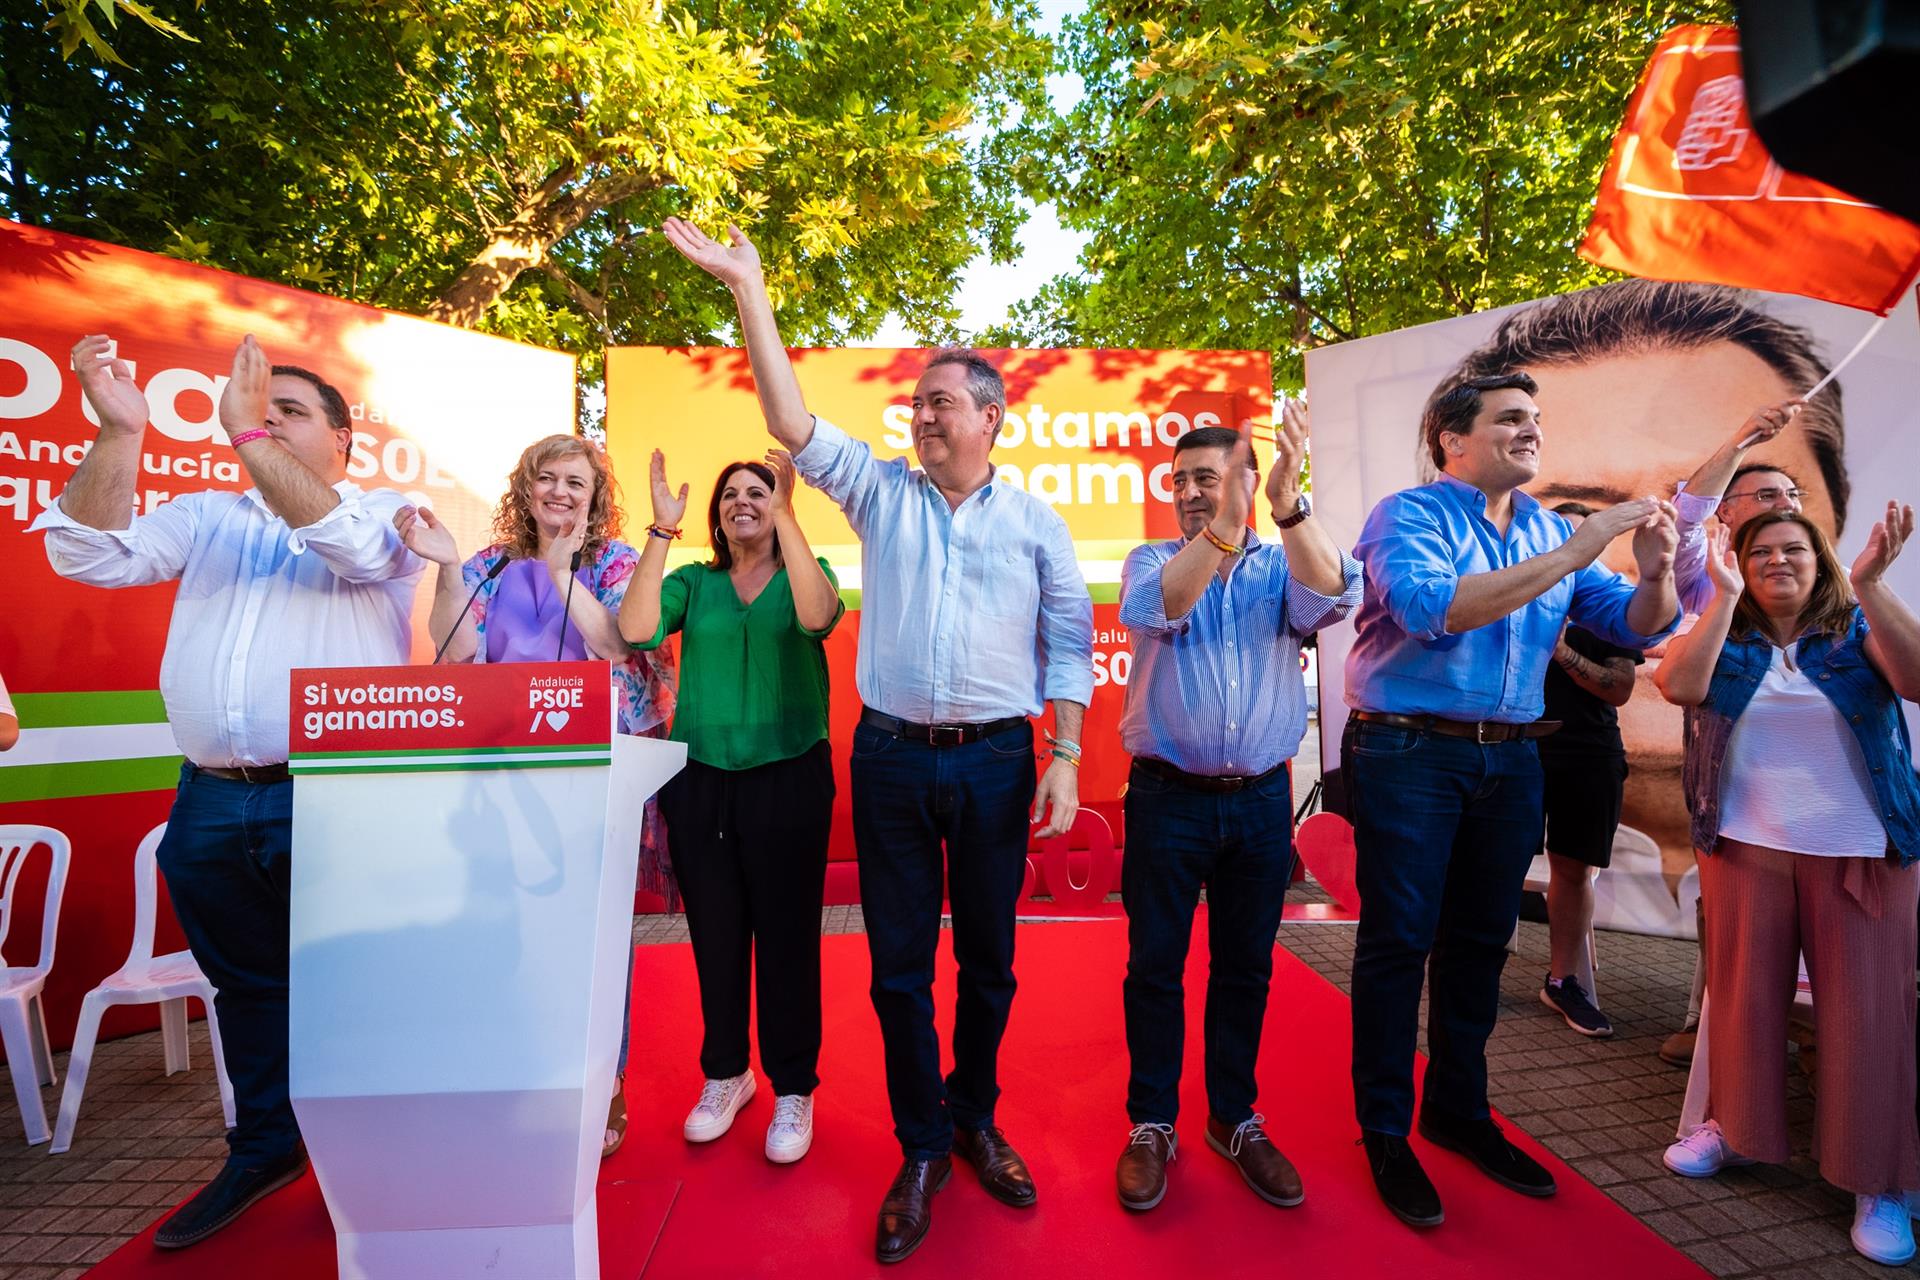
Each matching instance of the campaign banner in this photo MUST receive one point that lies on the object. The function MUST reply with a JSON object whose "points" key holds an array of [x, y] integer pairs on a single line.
{"points": [[1089, 432], [440, 414], [484, 715], [1639, 383]]}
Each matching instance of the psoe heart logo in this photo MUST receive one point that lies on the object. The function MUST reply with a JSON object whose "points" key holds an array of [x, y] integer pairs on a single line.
{"points": [[553, 708]]}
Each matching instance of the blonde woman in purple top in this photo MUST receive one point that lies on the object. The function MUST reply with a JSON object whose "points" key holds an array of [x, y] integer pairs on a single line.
{"points": [[559, 519]]}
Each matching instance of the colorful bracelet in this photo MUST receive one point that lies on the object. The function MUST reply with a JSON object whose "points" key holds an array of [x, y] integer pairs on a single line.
{"points": [[1067, 744], [248, 437], [1070, 759], [664, 534], [1227, 547]]}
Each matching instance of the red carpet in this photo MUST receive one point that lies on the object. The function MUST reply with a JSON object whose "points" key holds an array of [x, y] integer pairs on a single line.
{"points": [[1063, 1071]]}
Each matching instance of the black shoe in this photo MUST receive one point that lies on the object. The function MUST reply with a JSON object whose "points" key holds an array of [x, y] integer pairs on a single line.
{"points": [[231, 1193], [1002, 1172], [907, 1211], [1569, 999], [1482, 1142], [1400, 1180]]}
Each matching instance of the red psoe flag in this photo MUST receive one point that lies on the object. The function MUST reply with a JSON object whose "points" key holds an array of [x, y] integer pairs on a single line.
{"points": [[1690, 193]]}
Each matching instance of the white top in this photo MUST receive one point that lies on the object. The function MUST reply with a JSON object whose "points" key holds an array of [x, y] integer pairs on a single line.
{"points": [[1794, 777], [6, 703], [256, 600]]}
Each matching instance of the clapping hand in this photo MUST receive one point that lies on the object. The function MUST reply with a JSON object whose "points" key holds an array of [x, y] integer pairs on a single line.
{"points": [[243, 404], [734, 264], [561, 552], [780, 462], [669, 508], [107, 382], [425, 536], [1723, 567], [1884, 543], [1655, 542], [1289, 452]]}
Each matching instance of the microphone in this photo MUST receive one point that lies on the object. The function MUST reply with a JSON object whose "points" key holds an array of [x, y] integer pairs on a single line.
{"points": [[499, 567], [566, 610]]}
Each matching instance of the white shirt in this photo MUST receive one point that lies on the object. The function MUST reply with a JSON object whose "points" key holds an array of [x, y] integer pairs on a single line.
{"points": [[256, 600], [1794, 776], [6, 703]]}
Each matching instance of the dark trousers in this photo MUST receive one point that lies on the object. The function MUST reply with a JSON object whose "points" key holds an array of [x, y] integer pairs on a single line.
{"points": [[227, 859], [749, 850], [1444, 829], [912, 804], [1240, 846]]}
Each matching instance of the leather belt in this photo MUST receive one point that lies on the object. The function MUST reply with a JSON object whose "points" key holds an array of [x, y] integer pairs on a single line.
{"points": [[1200, 781], [258, 774], [936, 735], [1481, 731]]}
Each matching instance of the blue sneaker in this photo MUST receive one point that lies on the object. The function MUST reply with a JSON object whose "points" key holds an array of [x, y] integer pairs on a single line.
{"points": [[1566, 997]]}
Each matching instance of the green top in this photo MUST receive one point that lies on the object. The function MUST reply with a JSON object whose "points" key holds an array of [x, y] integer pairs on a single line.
{"points": [[753, 681]]}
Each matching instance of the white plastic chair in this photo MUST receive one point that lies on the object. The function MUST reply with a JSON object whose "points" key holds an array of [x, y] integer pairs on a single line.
{"points": [[23, 1018], [168, 981]]}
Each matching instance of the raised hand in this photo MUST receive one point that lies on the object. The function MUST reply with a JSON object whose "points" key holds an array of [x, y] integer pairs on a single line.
{"points": [[243, 404], [1884, 543], [1655, 542], [780, 462], [564, 547], [1289, 452], [1766, 422], [668, 508], [425, 536], [107, 383], [1236, 489], [1723, 567], [1599, 530], [734, 264]]}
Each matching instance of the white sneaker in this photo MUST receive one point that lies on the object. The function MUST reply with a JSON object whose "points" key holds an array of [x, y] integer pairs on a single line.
{"points": [[791, 1132], [1702, 1153], [1882, 1230], [720, 1101]]}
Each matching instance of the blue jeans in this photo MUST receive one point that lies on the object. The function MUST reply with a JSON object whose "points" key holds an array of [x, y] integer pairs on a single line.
{"points": [[1444, 829], [1240, 846], [227, 858], [916, 807]]}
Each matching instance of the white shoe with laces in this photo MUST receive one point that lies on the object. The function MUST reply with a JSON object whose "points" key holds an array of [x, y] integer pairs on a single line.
{"points": [[720, 1101], [1702, 1153], [791, 1133], [1882, 1229]]}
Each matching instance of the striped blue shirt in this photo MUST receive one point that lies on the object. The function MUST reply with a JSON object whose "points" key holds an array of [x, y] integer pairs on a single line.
{"points": [[1218, 691], [966, 615]]}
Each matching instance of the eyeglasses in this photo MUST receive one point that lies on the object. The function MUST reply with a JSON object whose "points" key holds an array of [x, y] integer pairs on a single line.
{"points": [[1767, 497]]}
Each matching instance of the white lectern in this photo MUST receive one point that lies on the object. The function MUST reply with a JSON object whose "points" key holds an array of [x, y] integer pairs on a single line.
{"points": [[464, 848]]}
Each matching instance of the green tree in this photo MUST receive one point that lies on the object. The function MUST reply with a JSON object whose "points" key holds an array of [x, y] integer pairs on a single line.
{"points": [[1286, 175], [503, 163]]}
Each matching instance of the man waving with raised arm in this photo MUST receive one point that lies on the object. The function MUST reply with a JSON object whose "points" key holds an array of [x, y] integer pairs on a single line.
{"points": [[974, 614]]}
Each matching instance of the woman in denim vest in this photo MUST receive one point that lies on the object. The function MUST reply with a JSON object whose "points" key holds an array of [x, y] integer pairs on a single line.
{"points": [[1799, 777]]}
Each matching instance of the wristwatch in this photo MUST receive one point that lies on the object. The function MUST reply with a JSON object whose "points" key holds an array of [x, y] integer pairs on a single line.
{"points": [[1301, 511]]}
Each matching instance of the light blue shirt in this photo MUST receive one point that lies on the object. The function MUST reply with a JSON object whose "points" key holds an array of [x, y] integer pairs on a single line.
{"points": [[1218, 691], [966, 615], [1416, 547]]}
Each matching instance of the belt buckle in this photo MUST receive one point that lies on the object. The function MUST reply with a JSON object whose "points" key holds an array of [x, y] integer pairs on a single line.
{"points": [[946, 735], [1480, 734]]}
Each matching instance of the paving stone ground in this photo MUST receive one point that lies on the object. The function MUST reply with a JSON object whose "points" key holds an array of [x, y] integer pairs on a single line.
{"points": [[1606, 1107]]}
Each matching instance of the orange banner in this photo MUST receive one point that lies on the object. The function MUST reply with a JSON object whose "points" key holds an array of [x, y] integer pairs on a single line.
{"points": [[1690, 193]]}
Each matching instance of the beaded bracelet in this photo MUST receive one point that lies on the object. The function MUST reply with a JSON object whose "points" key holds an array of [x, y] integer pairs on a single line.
{"points": [[248, 437], [1227, 547]]}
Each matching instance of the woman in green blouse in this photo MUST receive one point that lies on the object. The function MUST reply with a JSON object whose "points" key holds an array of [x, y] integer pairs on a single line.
{"points": [[748, 819]]}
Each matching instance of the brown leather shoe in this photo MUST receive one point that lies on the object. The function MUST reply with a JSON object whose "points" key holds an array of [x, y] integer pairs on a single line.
{"points": [[907, 1211], [1142, 1174], [1270, 1174], [1002, 1172]]}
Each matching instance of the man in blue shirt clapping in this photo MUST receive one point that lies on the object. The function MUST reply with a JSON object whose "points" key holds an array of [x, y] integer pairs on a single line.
{"points": [[1468, 585]]}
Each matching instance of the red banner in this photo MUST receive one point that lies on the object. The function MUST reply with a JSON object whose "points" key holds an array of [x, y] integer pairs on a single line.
{"points": [[1690, 193]]}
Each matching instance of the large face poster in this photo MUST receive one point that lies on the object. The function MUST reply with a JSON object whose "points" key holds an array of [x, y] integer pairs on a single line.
{"points": [[438, 413], [1091, 433], [1639, 383]]}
